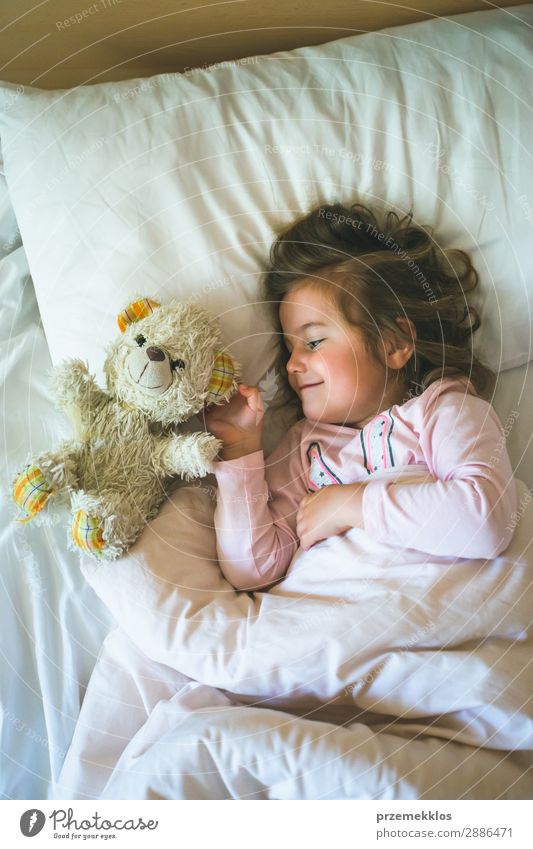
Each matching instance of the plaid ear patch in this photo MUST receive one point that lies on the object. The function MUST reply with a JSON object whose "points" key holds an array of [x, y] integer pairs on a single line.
{"points": [[87, 532], [135, 312], [222, 375], [31, 491]]}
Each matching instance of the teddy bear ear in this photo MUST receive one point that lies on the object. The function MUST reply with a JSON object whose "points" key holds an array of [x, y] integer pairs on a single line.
{"points": [[135, 312], [222, 377]]}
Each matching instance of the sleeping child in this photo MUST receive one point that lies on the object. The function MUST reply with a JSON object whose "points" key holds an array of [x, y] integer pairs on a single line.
{"points": [[375, 348]]}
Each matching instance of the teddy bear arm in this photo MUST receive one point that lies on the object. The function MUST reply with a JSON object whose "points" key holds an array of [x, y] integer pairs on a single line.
{"points": [[189, 455], [74, 386]]}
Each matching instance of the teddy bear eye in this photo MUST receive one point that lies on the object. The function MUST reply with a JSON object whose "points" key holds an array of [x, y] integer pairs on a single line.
{"points": [[140, 340], [177, 364]]}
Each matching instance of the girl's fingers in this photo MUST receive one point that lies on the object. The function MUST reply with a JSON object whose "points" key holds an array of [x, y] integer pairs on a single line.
{"points": [[253, 398], [248, 390]]}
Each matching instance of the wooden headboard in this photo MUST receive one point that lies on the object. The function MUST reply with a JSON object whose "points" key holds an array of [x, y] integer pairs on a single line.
{"points": [[62, 43]]}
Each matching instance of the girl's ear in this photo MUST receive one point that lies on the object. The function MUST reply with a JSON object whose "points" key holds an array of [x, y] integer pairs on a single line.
{"points": [[399, 350]]}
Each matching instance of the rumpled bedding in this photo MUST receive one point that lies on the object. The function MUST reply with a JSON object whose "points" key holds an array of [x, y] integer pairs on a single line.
{"points": [[370, 671], [52, 623]]}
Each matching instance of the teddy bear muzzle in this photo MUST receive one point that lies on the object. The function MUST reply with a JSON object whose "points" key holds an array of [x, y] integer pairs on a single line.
{"points": [[150, 369]]}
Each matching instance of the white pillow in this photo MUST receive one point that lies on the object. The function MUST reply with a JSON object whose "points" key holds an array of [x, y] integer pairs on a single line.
{"points": [[173, 185]]}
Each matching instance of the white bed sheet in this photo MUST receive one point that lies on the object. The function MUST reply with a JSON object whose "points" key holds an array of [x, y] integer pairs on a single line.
{"points": [[53, 623]]}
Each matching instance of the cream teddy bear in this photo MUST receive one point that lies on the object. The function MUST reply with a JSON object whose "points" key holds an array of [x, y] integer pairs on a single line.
{"points": [[115, 471]]}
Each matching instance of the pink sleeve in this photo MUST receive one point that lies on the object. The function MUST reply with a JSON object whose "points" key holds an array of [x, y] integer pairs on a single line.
{"points": [[255, 516], [467, 511]]}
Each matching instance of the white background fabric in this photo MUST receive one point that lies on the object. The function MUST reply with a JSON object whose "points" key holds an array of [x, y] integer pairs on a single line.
{"points": [[52, 622]]}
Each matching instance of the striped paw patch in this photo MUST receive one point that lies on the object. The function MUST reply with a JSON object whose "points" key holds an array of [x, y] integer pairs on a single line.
{"points": [[31, 491], [221, 376], [87, 532]]}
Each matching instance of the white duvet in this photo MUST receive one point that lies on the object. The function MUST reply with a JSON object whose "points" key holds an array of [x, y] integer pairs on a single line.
{"points": [[369, 672]]}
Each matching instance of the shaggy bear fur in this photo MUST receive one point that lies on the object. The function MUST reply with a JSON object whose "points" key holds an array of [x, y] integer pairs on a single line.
{"points": [[126, 446]]}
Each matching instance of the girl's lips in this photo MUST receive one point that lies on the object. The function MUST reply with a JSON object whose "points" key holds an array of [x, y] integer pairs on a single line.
{"points": [[309, 385]]}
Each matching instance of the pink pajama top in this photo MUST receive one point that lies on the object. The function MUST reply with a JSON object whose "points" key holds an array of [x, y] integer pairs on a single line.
{"points": [[448, 430]]}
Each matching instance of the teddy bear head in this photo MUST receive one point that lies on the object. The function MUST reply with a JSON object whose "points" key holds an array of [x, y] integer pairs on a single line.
{"points": [[168, 361]]}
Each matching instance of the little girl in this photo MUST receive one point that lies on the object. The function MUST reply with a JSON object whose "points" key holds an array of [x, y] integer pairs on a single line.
{"points": [[376, 343]]}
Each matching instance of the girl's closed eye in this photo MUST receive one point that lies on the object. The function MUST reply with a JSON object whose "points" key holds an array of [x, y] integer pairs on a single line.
{"points": [[312, 345]]}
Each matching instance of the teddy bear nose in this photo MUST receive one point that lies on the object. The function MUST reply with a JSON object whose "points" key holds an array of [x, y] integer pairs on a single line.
{"points": [[155, 354]]}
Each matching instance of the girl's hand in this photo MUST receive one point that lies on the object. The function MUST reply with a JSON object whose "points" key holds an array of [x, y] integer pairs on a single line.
{"points": [[238, 422], [329, 511]]}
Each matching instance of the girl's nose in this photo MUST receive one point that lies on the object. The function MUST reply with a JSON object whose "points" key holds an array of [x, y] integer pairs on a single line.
{"points": [[294, 363]]}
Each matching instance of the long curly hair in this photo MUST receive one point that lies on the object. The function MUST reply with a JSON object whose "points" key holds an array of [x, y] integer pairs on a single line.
{"points": [[378, 268]]}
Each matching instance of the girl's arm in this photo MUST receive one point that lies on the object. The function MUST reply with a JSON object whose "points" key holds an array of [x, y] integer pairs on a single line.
{"points": [[257, 501], [255, 516], [467, 511]]}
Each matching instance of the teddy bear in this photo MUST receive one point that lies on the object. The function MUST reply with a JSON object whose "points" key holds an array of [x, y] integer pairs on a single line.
{"points": [[166, 366]]}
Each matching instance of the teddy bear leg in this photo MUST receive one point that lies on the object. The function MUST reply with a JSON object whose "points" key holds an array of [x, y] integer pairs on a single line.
{"points": [[31, 491], [88, 532], [42, 478], [95, 525]]}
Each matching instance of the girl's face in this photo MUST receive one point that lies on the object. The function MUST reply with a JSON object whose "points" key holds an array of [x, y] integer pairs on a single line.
{"points": [[337, 380]]}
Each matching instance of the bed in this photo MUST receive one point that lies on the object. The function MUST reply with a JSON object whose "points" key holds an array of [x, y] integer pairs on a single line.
{"points": [[154, 679]]}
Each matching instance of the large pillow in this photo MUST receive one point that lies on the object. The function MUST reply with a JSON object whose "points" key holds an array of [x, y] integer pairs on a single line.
{"points": [[173, 185]]}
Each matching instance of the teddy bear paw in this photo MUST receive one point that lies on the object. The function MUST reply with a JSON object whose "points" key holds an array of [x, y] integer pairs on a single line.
{"points": [[87, 532], [31, 491]]}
